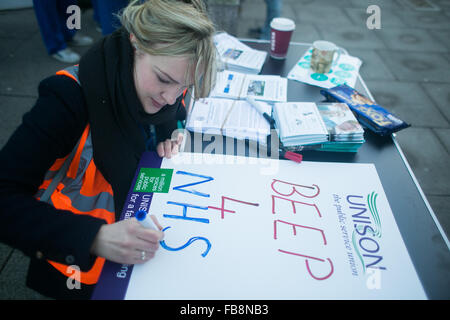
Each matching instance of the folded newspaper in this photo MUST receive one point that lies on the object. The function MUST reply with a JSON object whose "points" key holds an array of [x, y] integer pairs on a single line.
{"points": [[237, 56]]}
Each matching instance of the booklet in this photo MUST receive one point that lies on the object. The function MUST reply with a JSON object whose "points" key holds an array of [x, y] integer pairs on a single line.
{"points": [[232, 118], [341, 123], [236, 85], [237, 56], [299, 123]]}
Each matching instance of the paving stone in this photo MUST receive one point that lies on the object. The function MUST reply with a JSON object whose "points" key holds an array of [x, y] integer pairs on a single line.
{"points": [[253, 10], [373, 67], [419, 5], [9, 22], [440, 94], [33, 68], [8, 47], [442, 3], [350, 37], [411, 39], [388, 18], [305, 33], [444, 137], [447, 56], [5, 252], [428, 159], [447, 12], [250, 18], [319, 3], [424, 19], [417, 66], [244, 26], [321, 15], [13, 278], [441, 209], [408, 101], [442, 36], [12, 109], [383, 4]]}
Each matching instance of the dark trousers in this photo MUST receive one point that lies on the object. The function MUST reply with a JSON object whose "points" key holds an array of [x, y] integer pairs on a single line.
{"points": [[52, 19], [104, 14]]}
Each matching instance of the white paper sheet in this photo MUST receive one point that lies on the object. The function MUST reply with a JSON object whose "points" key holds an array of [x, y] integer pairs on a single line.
{"points": [[344, 71], [233, 118], [236, 85], [237, 56], [284, 233]]}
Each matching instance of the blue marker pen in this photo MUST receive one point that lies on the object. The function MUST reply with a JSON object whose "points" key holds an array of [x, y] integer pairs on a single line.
{"points": [[145, 220]]}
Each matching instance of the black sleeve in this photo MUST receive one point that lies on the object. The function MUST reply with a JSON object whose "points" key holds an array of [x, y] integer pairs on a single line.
{"points": [[48, 131]]}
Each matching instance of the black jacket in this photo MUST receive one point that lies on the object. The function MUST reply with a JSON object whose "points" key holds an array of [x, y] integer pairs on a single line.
{"points": [[49, 131]]}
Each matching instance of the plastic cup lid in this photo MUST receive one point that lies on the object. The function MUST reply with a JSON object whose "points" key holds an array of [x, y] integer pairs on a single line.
{"points": [[282, 24]]}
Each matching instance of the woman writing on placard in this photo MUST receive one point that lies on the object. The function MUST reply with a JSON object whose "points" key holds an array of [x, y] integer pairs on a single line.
{"points": [[83, 139]]}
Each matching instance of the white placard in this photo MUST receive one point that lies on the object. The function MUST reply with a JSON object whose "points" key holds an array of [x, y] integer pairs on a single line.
{"points": [[236, 230]]}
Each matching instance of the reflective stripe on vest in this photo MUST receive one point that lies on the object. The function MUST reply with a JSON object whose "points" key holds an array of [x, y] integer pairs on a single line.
{"points": [[184, 96], [83, 190]]}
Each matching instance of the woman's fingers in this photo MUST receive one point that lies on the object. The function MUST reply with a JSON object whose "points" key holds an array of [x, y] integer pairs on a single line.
{"points": [[160, 149], [164, 149], [124, 241], [143, 256], [169, 148], [155, 220]]}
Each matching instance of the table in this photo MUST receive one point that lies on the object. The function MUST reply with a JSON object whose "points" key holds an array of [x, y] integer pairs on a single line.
{"points": [[425, 240]]}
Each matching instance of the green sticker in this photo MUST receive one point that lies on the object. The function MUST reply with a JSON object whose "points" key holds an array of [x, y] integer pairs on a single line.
{"points": [[154, 180]]}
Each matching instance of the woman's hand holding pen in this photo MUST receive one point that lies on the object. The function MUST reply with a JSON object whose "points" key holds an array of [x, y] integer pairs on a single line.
{"points": [[170, 147], [127, 242]]}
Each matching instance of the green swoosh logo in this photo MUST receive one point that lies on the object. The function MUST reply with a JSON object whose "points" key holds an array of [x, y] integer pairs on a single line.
{"points": [[372, 204]]}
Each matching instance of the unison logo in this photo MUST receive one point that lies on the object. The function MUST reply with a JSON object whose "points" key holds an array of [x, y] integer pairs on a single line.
{"points": [[367, 230]]}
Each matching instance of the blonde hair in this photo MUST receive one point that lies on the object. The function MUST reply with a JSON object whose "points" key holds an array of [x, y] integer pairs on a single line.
{"points": [[176, 28]]}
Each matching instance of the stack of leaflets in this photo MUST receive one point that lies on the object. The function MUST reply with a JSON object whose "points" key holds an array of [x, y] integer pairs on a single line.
{"points": [[299, 123], [346, 134], [232, 118], [236, 85], [237, 56]]}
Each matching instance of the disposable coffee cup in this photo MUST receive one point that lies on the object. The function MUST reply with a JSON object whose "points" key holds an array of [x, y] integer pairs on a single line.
{"points": [[280, 36]]}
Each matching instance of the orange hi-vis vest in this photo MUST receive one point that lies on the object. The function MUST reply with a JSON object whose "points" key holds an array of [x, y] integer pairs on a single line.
{"points": [[82, 190]]}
